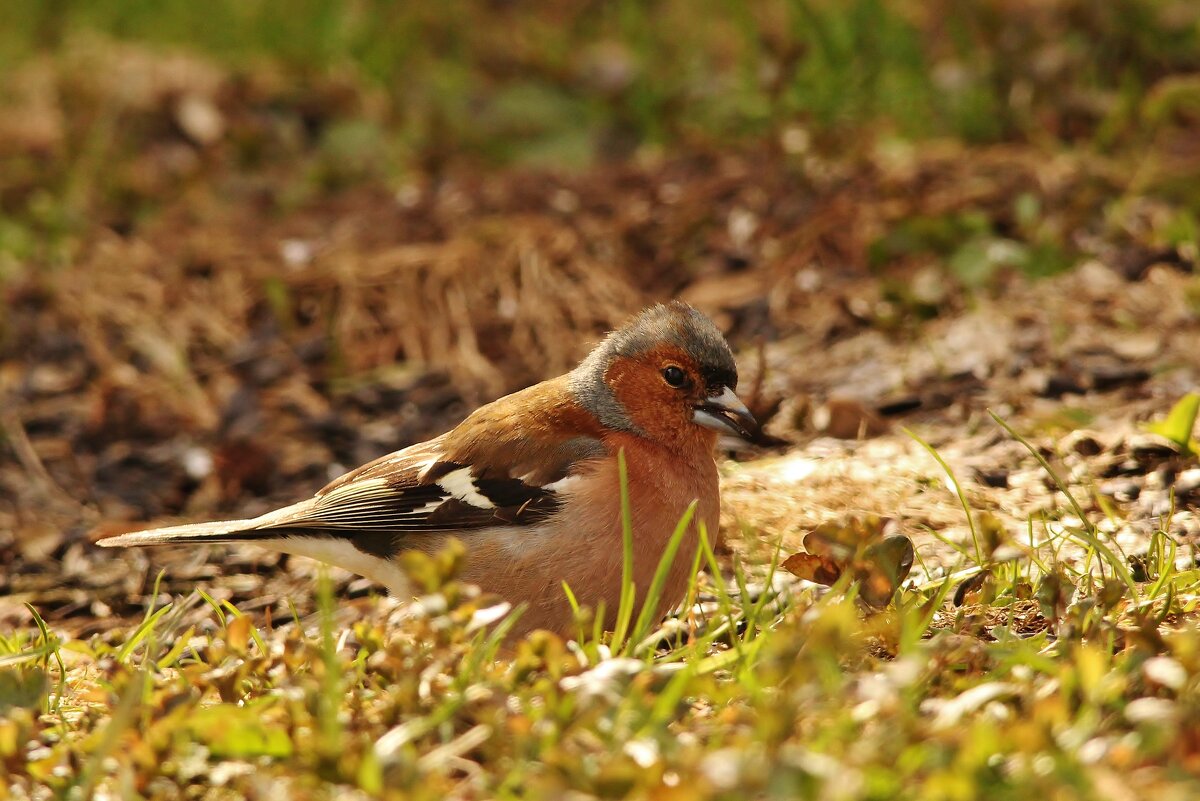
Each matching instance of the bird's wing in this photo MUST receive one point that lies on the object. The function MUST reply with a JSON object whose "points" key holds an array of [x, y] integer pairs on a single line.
{"points": [[509, 464], [428, 488]]}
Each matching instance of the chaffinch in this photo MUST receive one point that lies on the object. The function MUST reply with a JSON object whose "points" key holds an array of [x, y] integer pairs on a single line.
{"points": [[530, 484]]}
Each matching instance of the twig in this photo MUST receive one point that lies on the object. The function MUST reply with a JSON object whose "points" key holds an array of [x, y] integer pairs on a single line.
{"points": [[14, 432]]}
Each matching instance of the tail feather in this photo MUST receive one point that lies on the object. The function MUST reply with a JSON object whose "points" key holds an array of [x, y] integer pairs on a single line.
{"points": [[220, 531], [338, 551]]}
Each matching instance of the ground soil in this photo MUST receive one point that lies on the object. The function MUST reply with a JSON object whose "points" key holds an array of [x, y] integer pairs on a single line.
{"points": [[224, 356]]}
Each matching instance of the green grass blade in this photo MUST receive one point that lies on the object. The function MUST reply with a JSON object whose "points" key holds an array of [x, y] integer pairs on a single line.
{"points": [[51, 643], [216, 606], [141, 633], [628, 591], [650, 604], [1086, 534], [576, 612], [956, 487]]}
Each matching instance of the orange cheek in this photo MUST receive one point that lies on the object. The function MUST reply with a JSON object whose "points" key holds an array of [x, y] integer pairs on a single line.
{"points": [[662, 412]]}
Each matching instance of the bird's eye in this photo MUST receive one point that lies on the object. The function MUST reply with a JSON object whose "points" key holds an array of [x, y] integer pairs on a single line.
{"points": [[674, 376]]}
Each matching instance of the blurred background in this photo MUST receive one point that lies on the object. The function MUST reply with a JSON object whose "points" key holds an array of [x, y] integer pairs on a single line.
{"points": [[245, 244]]}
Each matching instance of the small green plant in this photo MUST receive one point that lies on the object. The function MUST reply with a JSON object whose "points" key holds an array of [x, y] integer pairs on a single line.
{"points": [[1179, 424]]}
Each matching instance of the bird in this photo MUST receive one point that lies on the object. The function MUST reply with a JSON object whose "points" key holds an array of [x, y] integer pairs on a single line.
{"points": [[530, 483]]}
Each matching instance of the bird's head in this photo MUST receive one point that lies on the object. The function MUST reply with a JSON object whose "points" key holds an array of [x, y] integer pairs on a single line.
{"points": [[667, 374]]}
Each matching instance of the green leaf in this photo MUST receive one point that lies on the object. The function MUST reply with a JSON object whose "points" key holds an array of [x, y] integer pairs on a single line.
{"points": [[1179, 423], [232, 732], [22, 687]]}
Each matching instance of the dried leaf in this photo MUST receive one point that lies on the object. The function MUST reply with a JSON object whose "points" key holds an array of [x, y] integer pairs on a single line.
{"points": [[845, 540], [237, 634], [810, 567], [883, 568], [969, 589], [879, 564]]}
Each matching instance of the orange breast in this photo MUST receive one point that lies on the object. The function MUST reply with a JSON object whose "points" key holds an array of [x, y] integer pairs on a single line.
{"points": [[583, 544]]}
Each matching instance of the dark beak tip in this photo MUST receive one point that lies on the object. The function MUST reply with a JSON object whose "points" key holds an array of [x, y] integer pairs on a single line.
{"points": [[725, 412], [745, 425]]}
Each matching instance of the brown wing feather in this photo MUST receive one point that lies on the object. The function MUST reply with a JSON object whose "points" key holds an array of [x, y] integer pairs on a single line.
{"points": [[540, 433], [497, 468]]}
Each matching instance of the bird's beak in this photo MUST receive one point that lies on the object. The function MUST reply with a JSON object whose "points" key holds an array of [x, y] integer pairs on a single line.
{"points": [[726, 413]]}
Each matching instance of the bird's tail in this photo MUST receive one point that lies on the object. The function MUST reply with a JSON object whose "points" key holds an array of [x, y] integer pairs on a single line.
{"points": [[273, 531], [220, 531]]}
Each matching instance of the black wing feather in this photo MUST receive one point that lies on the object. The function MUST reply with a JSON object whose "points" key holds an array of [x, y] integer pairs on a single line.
{"points": [[376, 512]]}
